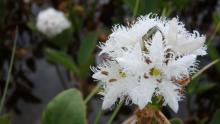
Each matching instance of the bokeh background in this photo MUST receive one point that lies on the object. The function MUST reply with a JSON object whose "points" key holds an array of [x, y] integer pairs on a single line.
{"points": [[44, 67]]}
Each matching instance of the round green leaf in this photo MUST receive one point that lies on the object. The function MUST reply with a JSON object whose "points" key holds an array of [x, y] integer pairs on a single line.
{"points": [[66, 108]]}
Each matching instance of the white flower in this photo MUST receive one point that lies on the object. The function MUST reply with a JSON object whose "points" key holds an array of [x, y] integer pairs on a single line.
{"points": [[154, 57], [52, 22]]}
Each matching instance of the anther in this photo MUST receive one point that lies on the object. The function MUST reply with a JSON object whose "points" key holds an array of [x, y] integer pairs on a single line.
{"points": [[104, 73], [112, 80]]}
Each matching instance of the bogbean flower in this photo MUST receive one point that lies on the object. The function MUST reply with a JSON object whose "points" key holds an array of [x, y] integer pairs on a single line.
{"points": [[52, 22], [154, 57]]}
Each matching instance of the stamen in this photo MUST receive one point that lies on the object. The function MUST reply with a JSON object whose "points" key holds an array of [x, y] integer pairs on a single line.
{"points": [[168, 55], [159, 80], [122, 74], [148, 61], [155, 72], [145, 76], [112, 80], [104, 73]]}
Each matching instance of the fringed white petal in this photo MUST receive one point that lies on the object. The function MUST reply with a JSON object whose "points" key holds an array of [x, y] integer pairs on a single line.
{"points": [[190, 45], [172, 32], [142, 94], [201, 51], [132, 60], [111, 97], [180, 67], [117, 90], [156, 49], [171, 95]]}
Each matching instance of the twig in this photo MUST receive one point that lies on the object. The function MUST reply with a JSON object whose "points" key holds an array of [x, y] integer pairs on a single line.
{"points": [[205, 68], [98, 116], [94, 91], [9, 72], [115, 112]]}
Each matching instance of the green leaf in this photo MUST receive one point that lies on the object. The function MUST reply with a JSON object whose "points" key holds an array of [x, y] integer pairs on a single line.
{"points": [[216, 117], [216, 20], [85, 68], [5, 119], [87, 46], [77, 22], [205, 87], [194, 87], [63, 39], [66, 108], [86, 49], [62, 58], [145, 6], [176, 121]]}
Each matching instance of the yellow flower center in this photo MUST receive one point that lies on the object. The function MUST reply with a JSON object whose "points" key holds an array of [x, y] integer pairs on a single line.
{"points": [[122, 74], [155, 72]]}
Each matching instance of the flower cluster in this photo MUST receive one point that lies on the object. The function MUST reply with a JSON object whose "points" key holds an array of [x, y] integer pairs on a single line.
{"points": [[152, 57], [52, 22]]}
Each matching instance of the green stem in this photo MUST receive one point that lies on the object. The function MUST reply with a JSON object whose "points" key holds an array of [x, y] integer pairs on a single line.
{"points": [[98, 116], [94, 91], [9, 72], [205, 68], [115, 112], [136, 8], [164, 12]]}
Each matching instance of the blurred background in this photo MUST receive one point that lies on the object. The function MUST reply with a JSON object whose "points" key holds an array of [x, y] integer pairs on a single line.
{"points": [[43, 67]]}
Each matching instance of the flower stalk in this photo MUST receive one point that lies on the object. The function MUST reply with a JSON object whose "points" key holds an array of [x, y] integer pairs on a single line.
{"points": [[9, 72], [149, 115]]}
